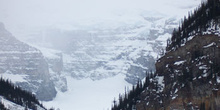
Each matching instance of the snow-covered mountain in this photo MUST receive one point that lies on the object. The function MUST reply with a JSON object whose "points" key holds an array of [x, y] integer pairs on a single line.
{"points": [[95, 43], [104, 55], [129, 49], [125, 39], [25, 66]]}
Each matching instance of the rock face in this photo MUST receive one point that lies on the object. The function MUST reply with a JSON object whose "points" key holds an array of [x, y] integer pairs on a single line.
{"points": [[190, 75], [99, 53], [56, 71], [25, 66]]}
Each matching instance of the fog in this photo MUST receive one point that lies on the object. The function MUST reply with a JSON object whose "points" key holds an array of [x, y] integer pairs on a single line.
{"points": [[113, 40], [20, 15]]}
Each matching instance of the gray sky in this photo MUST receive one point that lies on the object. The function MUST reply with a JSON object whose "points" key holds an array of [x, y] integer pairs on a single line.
{"points": [[28, 14]]}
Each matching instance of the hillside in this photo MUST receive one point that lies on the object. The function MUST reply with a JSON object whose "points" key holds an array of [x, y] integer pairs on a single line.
{"points": [[25, 66], [14, 98], [188, 74]]}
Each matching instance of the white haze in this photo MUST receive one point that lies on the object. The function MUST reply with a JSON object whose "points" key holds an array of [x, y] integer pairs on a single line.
{"points": [[22, 16], [25, 17]]}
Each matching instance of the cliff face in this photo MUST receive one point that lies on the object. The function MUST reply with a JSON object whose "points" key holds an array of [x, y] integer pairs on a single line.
{"points": [[188, 77], [188, 74], [26, 65]]}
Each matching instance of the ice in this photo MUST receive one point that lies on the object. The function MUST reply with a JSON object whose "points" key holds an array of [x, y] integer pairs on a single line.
{"points": [[87, 94]]}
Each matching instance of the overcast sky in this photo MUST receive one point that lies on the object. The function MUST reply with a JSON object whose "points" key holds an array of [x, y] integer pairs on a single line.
{"points": [[67, 10], [27, 14]]}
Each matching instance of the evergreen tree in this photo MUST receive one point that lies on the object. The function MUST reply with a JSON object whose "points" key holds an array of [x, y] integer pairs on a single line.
{"points": [[2, 107], [202, 106], [129, 100], [196, 23], [17, 95]]}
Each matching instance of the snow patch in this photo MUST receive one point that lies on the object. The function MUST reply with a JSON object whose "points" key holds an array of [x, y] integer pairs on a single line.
{"points": [[179, 62], [213, 43], [47, 52], [163, 38], [174, 97], [14, 77], [218, 79], [161, 82], [203, 67]]}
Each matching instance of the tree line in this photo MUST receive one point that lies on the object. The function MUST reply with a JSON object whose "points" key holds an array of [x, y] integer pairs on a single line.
{"points": [[197, 22], [207, 15], [128, 101], [17, 95]]}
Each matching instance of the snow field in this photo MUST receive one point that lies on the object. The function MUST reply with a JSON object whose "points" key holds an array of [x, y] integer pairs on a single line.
{"points": [[87, 94]]}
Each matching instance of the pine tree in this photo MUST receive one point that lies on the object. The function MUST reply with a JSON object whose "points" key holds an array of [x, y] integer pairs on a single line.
{"points": [[196, 23], [202, 106], [2, 107], [17, 95]]}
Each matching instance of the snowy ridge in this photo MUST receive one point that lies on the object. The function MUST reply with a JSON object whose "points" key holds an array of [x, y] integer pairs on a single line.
{"points": [[13, 106]]}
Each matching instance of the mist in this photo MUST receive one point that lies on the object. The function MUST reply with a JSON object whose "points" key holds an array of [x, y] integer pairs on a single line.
{"points": [[22, 16], [94, 48]]}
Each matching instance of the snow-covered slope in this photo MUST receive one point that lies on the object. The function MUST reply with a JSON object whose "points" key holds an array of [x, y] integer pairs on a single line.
{"points": [[96, 59], [25, 66], [99, 42], [128, 49], [95, 40], [13, 106], [87, 94]]}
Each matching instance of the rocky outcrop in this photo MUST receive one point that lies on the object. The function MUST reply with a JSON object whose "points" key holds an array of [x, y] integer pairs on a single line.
{"points": [[190, 75], [25, 65], [56, 71]]}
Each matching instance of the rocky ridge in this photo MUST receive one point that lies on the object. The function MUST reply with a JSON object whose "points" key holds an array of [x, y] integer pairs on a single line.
{"points": [[25, 65], [185, 78], [190, 76]]}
